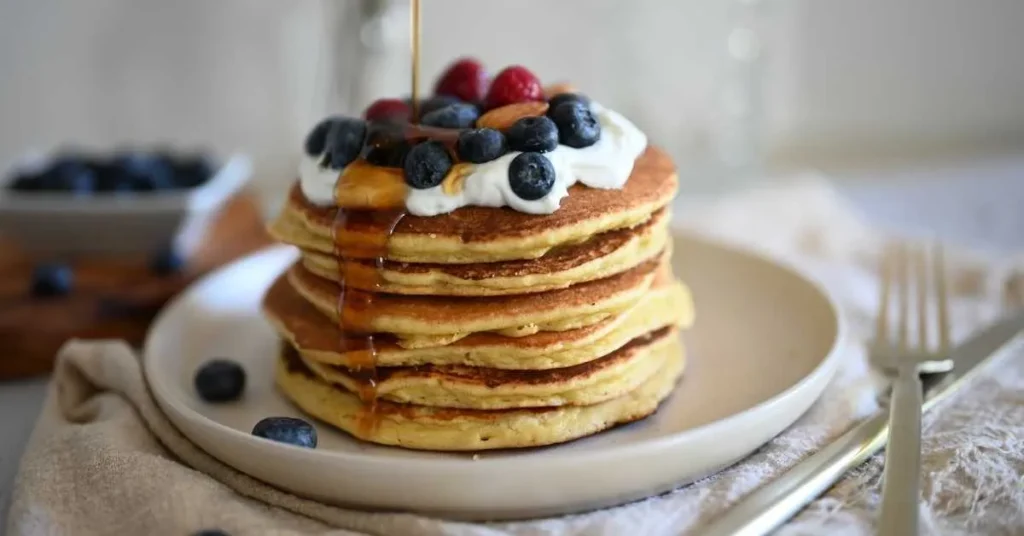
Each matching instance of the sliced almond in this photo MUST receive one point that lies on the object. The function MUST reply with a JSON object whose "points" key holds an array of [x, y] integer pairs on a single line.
{"points": [[504, 117], [365, 186], [455, 181], [558, 89]]}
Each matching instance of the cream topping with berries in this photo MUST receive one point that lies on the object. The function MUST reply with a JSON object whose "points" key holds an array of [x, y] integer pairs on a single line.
{"points": [[524, 153], [606, 164]]}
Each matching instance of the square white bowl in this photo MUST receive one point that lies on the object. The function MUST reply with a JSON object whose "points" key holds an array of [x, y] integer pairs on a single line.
{"points": [[55, 224]]}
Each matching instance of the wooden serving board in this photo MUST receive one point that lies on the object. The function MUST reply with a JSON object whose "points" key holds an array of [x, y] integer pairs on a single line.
{"points": [[111, 297]]}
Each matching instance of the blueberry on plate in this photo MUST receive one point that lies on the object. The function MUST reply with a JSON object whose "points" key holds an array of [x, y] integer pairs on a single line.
{"points": [[577, 125], [288, 430], [458, 115], [220, 380], [316, 140], [533, 134], [481, 145], [167, 261], [344, 142], [426, 165], [531, 176], [49, 280], [555, 101]]}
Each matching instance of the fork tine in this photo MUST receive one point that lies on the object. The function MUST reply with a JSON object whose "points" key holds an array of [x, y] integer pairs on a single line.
{"points": [[941, 296], [903, 293], [885, 265], [921, 276]]}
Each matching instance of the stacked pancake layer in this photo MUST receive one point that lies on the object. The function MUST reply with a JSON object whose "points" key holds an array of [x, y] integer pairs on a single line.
{"points": [[484, 328]]}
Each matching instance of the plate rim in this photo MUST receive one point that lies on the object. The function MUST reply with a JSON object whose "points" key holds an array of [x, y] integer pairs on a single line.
{"points": [[826, 366]]}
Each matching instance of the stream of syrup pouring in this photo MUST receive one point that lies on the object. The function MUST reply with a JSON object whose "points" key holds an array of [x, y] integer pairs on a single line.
{"points": [[366, 234]]}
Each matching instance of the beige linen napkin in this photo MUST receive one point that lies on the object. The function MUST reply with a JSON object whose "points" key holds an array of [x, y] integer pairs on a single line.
{"points": [[104, 460]]}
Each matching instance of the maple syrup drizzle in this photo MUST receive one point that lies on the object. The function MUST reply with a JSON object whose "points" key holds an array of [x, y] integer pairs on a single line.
{"points": [[414, 41], [358, 235]]}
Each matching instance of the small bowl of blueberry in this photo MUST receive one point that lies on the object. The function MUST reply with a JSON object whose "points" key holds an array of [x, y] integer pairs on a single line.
{"points": [[122, 202]]}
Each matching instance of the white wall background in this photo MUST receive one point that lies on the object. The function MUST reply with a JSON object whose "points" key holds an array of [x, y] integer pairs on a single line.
{"points": [[860, 78]]}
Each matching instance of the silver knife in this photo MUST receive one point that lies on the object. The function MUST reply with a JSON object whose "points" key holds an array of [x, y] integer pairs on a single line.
{"points": [[774, 503]]}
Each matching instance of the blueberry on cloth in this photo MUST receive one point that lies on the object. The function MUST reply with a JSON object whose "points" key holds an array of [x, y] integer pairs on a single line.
{"points": [[220, 380], [533, 134], [426, 165], [288, 430], [481, 145], [531, 176]]}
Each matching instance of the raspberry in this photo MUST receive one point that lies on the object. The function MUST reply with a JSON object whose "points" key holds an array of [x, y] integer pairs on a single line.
{"points": [[384, 109], [464, 79], [514, 84]]}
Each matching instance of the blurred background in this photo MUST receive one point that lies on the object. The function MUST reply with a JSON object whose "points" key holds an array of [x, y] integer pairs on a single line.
{"points": [[737, 90]]}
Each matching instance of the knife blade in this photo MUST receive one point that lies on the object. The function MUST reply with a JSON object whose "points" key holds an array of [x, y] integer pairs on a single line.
{"points": [[772, 504]]}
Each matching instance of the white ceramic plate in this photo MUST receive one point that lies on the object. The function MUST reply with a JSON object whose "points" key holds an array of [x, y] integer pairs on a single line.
{"points": [[761, 352]]}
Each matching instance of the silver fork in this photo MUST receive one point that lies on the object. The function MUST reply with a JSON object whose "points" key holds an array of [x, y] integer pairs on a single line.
{"points": [[897, 354]]}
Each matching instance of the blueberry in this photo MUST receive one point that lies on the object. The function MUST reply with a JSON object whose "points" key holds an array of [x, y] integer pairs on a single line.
{"points": [[481, 145], [531, 176], [167, 261], [26, 182], [533, 134], [566, 97], [577, 126], [316, 140], [286, 430], [211, 532], [69, 174], [192, 171], [145, 172], [427, 164], [344, 141], [436, 103], [52, 280], [388, 155], [459, 115], [110, 176], [220, 380]]}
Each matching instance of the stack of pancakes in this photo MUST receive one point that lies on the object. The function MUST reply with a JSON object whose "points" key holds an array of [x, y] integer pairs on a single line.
{"points": [[490, 328]]}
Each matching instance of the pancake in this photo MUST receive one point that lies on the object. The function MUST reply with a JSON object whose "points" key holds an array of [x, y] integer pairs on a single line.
{"points": [[588, 383], [420, 321], [603, 255], [667, 303], [486, 234], [447, 429]]}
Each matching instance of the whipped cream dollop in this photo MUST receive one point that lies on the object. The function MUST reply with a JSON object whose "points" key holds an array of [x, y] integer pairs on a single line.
{"points": [[606, 164]]}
